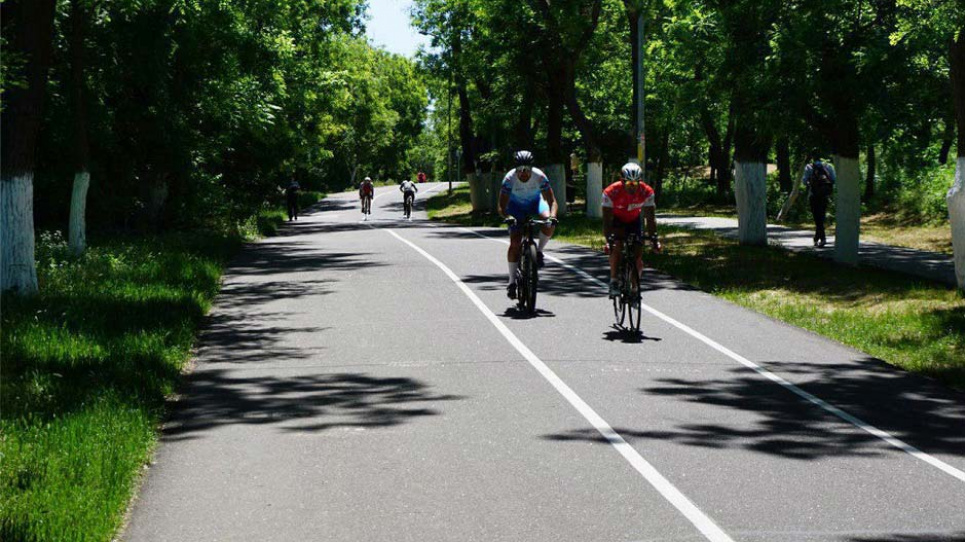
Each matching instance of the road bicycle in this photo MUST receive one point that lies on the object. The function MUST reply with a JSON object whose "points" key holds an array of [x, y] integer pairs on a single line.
{"points": [[366, 206], [527, 273], [628, 302], [407, 202]]}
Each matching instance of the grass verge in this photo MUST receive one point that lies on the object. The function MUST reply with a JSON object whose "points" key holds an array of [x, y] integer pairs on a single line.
{"points": [[86, 367], [913, 324], [885, 228]]}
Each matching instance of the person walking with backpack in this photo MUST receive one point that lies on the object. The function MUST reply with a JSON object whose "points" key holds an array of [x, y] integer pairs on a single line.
{"points": [[291, 198], [819, 178]]}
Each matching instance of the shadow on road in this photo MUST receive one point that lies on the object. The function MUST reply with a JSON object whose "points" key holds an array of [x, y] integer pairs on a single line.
{"points": [[931, 537], [516, 314], [911, 408], [625, 335], [305, 403]]}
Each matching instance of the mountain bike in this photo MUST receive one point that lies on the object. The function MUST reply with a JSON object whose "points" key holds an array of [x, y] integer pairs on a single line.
{"points": [[407, 202], [628, 302], [527, 274]]}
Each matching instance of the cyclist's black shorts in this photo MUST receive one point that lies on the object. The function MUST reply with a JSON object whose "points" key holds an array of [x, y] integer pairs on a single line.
{"points": [[621, 230], [408, 194]]}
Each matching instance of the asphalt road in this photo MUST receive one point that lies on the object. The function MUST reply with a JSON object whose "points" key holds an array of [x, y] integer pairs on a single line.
{"points": [[370, 381]]}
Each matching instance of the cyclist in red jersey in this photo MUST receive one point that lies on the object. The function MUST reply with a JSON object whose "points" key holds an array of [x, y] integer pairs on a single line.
{"points": [[623, 204]]}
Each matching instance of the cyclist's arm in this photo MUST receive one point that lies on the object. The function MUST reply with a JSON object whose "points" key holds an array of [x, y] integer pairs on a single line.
{"points": [[607, 222], [503, 203], [650, 214], [551, 200], [606, 205]]}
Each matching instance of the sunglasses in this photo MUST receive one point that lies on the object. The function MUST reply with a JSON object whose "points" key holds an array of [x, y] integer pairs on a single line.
{"points": [[524, 169], [632, 183]]}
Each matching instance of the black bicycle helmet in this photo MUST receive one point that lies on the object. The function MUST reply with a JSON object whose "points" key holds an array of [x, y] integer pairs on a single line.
{"points": [[524, 158]]}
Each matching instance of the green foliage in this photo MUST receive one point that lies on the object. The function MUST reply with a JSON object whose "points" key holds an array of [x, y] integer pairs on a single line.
{"points": [[212, 105]]}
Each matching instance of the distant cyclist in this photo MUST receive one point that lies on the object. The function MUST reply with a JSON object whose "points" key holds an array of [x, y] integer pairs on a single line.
{"points": [[408, 189], [623, 203], [366, 191], [526, 192], [421, 177]]}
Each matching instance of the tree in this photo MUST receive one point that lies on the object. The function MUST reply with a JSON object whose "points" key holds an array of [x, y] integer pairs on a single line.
{"points": [[27, 28]]}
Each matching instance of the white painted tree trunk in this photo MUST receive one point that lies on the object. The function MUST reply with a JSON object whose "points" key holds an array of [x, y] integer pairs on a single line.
{"points": [[18, 269], [78, 213], [557, 176], [956, 213], [750, 187], [847, 210], [492, 193], [477, 192], [594, 189]]}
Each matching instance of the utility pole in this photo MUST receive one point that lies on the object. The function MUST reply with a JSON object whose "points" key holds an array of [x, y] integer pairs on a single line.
{"points": [[639, 95]]}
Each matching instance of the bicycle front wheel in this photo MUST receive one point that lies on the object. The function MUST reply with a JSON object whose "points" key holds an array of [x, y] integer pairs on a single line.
{"points": [[632, 294], [619, 309], [530, 276]]}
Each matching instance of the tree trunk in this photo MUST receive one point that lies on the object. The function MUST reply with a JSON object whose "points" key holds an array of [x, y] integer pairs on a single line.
{"points": [[28, 25], [724, 173], [869, 180], [956, 195], [555, 169], [583, 124], [847, 214], [594, 190], [524, 124], [948, 138], [78, 204], [750, 189], [784, 164], [663, 157], [466, 136]]}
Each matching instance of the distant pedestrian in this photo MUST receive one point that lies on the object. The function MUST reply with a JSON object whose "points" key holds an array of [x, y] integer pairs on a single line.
{"points": [[819, 178], [291, 196]]}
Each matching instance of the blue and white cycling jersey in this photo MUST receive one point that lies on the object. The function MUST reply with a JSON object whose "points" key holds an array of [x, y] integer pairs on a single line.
{"points": [[526, 198]]}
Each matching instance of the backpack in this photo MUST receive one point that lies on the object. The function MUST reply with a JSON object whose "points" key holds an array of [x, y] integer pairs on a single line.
{"points": [[821, 183]]}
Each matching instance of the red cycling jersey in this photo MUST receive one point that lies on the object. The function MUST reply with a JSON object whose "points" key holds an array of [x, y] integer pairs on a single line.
{"points": [[626, 206]]}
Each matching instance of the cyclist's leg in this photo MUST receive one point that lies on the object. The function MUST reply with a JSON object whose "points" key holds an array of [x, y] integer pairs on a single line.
{"points": [[637, 228], [619, 231]]}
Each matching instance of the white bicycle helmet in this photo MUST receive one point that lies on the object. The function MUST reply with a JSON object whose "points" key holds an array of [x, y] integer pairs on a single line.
{"points": [[631, 172]]}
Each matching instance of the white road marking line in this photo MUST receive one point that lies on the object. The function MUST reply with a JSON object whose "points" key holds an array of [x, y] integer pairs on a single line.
{"points": [[700, 520], [857, 422]]}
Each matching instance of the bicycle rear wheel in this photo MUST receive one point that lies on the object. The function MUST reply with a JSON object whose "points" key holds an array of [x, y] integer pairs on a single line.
{"points": [[530, 277]]}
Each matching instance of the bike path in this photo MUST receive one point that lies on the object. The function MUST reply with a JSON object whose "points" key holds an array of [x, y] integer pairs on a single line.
{"points": [[922, 263], [343, 392], [501, 455], [770, 466]]}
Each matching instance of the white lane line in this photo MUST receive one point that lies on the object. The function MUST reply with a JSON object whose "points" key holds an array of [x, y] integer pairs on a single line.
{"points": [[700, 520], [853, 420]]}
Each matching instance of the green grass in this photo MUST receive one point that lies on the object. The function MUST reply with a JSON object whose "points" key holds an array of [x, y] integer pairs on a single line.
{"points": [[913, 324], [267, 221], [87, 365]]}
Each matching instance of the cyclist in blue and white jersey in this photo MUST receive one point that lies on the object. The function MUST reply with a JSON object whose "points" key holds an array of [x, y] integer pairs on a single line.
{"points": [[526, 192]]}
